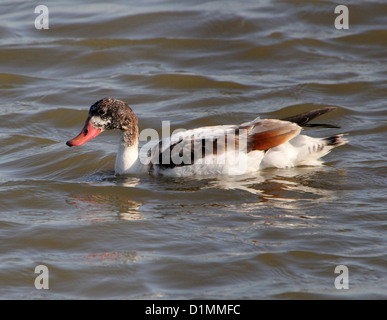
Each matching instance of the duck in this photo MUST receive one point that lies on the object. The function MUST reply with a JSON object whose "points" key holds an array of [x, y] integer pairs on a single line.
{"points": [[211, 150]]}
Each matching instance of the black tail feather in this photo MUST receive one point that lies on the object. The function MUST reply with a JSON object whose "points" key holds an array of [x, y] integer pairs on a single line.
{"points": [[336, 140], [302, 119], [321, 125]]}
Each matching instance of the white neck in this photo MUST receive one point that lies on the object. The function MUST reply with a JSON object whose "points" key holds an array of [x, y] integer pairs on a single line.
{"points": [[127, 158]]}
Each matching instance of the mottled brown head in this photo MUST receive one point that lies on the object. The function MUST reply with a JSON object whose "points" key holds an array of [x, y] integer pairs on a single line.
{"points": [[107, 114], [110, 113]]}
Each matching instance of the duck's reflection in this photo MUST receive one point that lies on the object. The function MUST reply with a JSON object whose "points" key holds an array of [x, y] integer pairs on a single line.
{"points": [[109, 197], [113, 257], [288, 189], [293, 189]]}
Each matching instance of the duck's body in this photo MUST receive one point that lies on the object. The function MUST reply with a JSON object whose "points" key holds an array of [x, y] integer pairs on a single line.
{"points": [[215, 150]]}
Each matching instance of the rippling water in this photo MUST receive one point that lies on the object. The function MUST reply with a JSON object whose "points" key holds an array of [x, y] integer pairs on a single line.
{"points": [[276, 235]]}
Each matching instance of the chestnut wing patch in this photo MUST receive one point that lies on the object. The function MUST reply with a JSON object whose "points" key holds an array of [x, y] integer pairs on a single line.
{"points": [[269, 133]]}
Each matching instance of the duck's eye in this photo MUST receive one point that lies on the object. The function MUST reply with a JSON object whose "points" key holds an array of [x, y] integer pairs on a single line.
{"points": [[101, 112]]}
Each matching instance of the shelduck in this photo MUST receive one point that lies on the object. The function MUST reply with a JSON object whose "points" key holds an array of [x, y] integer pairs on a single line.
{"points": [[213, 150]]}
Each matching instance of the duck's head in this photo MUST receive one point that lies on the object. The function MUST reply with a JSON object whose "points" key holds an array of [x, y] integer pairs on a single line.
{"points": [[106, 114]]}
